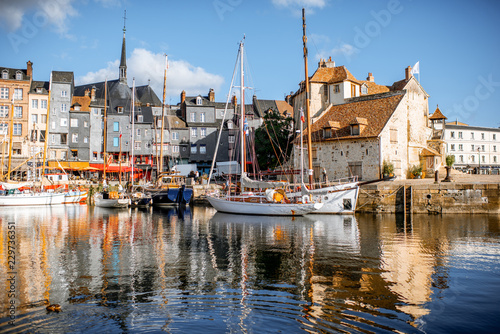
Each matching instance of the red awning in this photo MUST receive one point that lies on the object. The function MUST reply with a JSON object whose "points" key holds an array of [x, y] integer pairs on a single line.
{"points": [[114, 169]]}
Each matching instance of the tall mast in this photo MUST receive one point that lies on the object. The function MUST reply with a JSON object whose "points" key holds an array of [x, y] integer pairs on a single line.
{"points": [[133, 122], [105, 124], [163, 113], [242, 120], [308, 113], [47, 128], [11, 129]]}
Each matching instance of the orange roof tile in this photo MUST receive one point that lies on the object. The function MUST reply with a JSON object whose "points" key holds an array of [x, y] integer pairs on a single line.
{"points": [[332, 75], [375, 109], [374, 88], [437, 114], [83, 101]]}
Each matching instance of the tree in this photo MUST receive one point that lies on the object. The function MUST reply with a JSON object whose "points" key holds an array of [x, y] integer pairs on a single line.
{"points": [[273, 140]]}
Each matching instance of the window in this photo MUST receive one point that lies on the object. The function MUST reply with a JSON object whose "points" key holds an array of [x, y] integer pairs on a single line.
{"points": [[355, 129], [64, 122], [64, 138], [460, 136], [198, 100], [138, 132], [452, 134], [202, 117], [74, 122], [231, 139], [482, 148], [336, 89], [43, 104], [18, 112], [74, 153], [175, 149], [194, 132], [483, 158], [192, 117], [472, 135], [52, 154], [461, 158], [194, 149], [460, 147], [44, 119], [34, 104], [472, 158], [116, 141], [315, 153], [229, 125], [19, 75], [472, 147], [145, 133], [327, 132], [95, 111], [203, 149], [34, 118], [140, 118], [482, 136], [393, 135], [64, 107], [85, 124], [137, 145], [364, 90], [452, 147], [494, 148], [63, 155], [4, 128], [158, 123], [74, 138], [18, 93], [120, 110], [53, 125], [5, 74], [4, 111], [116, 126], [494, 158], [86, 140], [18, 129], [494, 137], [64, 93], [4, 93], [94, 155], [175, 135], [203, 132]]}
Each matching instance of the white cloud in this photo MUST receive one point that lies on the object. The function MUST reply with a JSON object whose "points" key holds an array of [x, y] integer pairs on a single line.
{"points": [[145, 65], [37, 13]]}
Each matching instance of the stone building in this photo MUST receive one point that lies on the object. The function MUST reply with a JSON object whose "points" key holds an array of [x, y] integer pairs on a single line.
{"points": [[357, 124], [37, 125]]}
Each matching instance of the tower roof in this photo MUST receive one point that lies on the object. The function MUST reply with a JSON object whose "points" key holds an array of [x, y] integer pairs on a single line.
{"points": [[437, 115]]}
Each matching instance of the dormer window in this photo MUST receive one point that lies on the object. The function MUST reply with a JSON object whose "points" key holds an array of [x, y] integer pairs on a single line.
{"points": [[19, 75], [355, 129], [329, 128], [120, 110], [139, 118], [39, 90], [327, 132], [5, 74], [198, 101], [358, 125], [336, 89], [364, 90]]}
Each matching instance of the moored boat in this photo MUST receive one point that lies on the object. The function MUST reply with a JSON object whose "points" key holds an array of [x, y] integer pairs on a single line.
{"points": [[104, 200]]}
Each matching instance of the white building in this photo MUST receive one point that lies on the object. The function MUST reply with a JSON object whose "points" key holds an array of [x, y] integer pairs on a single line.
{"points": [[473, 147]]}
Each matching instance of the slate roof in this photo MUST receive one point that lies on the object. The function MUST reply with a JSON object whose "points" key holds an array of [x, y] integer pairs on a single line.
{"points": [[62, 77], [376, 109], [44, 85], [147, 114], [146, 95], [12, 73]]}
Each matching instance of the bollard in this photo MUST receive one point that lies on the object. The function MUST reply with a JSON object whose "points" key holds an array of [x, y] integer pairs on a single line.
{"points": [[436, 176]]}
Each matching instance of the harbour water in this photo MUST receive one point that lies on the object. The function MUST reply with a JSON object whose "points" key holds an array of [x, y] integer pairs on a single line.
{"points": [[198, 271]]}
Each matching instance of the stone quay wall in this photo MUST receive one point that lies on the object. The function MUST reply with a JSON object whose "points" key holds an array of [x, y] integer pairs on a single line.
{"points": [[430, 198]]}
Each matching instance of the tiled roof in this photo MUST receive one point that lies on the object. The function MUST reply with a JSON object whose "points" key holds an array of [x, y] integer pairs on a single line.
{"points": [[83, 101], [375, 109], [332, 75], [373, 88], [284, 107], [437, 114]]}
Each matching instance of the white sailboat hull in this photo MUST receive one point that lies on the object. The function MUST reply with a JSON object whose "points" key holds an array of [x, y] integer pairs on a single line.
{"points": [[74, 197], [26, 199], [339, 199], [264, 208]]}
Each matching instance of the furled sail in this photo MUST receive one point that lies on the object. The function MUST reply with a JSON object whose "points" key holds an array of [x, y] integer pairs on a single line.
{"points": [[246, 182]]}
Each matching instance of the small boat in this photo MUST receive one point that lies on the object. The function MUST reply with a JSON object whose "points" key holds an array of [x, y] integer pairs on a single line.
{"points": [[140, 200], [75, 197], [14, 197], [172, 196], [104, 200]]}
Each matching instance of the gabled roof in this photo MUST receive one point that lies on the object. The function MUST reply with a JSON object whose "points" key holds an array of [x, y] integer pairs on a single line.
{"points": [[374, 88], [375, 110], [146, 95], [437, 115], [332, 75], [401, 85], [82, 101], [176, 122]]}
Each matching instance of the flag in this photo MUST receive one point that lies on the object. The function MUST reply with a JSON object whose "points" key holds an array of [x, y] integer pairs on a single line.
{"points": [[120, 133], [302, 115], [416, 68]]}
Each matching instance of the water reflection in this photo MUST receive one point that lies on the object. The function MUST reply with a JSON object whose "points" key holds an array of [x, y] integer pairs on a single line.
{"points": [[195, 270]]}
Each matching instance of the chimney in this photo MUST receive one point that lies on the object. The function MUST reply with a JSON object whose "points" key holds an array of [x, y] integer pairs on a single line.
{"points": [[183, 96], [408, 74], [211, 95], [92, 96], [29, 69], [370, 77]]}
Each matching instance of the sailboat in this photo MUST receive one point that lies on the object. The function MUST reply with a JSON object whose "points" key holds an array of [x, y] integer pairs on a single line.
{"points": [[338, 197], [273, 201]]}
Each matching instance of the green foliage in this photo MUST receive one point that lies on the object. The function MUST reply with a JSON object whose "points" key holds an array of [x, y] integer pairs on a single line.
{"points": [[387, 168], [416, 170], [450, 160], [273, 137]]}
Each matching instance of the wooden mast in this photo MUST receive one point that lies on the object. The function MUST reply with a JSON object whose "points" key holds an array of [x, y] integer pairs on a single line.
{"points": [[105, 130], [242, 107], [308, 113], [163, 114]]}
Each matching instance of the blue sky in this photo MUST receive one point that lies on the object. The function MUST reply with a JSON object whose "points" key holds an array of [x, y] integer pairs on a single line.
{"points": [[455, 42]]}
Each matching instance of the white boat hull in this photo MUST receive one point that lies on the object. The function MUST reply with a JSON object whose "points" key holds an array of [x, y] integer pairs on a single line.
{"points": [[110, 202], [265, 208], [26, 199], [339, 199], [74, 197]]}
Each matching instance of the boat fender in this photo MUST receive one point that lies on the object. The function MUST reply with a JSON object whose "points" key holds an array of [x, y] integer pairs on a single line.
{"points": [[305, 199]]}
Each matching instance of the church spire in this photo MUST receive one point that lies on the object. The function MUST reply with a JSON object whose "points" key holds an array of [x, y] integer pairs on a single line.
{"points": [[123, 61]]}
